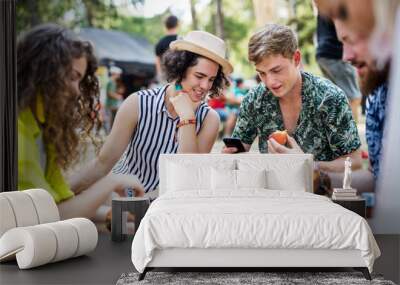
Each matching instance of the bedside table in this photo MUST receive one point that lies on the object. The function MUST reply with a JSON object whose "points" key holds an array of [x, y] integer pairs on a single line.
{"points": [[357, 206]]}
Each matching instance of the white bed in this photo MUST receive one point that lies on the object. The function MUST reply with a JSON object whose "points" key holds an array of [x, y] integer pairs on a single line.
{"points": [[249, 210]]}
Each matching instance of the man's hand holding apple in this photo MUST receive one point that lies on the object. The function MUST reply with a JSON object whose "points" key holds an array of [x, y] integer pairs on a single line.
{"points": [[281, 142]]}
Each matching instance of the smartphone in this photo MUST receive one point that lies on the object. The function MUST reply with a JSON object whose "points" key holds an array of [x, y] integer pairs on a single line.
{"points": [[234, 142]]}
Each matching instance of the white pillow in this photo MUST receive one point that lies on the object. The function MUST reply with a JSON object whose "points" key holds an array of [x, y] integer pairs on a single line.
{"points": [[283, 173], [223, 179], [237, 179], [187, 175], [184, 177], [291, 180], [251, 178]]}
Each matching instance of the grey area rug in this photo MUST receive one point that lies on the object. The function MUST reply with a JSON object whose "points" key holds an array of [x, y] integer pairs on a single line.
{"points": [[229, 278]]}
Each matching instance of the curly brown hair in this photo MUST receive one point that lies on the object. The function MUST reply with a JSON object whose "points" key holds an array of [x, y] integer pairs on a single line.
{"points": [[44, 66], [176, 62]]}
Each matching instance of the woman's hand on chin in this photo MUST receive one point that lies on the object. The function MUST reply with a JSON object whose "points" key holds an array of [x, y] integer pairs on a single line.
{"points": [[183, 105]]}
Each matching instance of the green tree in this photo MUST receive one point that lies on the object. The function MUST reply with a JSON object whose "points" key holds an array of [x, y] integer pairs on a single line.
{"points": [[30, 13], [70, 13], [238, 24], [193, 14], [150, 28], [99, 14], [304, 22], [219, 20]]}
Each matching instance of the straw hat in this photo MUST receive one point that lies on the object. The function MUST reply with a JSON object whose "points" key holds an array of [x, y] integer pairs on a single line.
{"points": [[207, 45]]}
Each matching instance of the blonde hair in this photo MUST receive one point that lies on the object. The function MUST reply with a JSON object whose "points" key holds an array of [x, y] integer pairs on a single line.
{"points": [[272, 39]]}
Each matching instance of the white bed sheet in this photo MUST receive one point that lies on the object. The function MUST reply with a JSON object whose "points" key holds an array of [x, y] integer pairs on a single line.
{"points": [[251, 218]]}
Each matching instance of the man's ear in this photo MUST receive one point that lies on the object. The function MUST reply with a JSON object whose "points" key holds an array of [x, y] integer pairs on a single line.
{"points": [[297, 57]]}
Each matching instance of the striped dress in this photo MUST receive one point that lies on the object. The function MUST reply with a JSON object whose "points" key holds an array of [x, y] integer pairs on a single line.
{"points": [[155, 134]]}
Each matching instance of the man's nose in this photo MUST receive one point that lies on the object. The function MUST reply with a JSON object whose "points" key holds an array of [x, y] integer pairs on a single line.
{"points": [[348, 53], [270, 81]]}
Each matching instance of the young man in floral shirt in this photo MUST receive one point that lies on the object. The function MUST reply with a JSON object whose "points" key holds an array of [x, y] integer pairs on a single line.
{"points": [[315, 112]]}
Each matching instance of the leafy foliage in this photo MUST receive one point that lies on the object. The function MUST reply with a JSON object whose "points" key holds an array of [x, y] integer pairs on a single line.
{"points": [[305, 24], [33, 12], [150, 28], [70, 13], [239, 22]]}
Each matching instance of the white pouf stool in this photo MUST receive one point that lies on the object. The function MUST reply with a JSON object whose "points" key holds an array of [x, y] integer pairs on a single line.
{"points": [[31, 232]]}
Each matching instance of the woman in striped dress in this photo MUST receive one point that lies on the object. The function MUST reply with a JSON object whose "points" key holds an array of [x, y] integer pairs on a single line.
{"points": [[169, 119]]}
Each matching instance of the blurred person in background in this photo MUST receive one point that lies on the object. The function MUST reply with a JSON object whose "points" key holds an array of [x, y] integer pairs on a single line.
{"points": [[171, 119], [374, 85], [329, 57], [234, 99], [114, 95], [58, 100], [367, 27], [171, 25], [373, 20], [218, 103], [358, 15]]}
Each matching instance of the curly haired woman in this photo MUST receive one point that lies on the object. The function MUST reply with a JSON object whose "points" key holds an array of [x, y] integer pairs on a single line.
{"points": [[170, 119], [58, 96]]}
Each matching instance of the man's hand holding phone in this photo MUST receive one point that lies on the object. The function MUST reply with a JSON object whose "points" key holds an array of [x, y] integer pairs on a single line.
{"points": [[233, 145], [229, 150]]}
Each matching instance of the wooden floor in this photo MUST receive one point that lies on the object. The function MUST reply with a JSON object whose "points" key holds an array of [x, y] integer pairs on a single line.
{"points": [[106, 264]]}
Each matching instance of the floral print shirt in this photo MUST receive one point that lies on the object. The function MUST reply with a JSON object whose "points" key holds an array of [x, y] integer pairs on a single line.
{"points": [[325, 127], [375, 121]]}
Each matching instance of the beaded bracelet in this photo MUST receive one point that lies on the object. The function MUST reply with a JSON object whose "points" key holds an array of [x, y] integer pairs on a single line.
{"points": [[186, 122]]}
